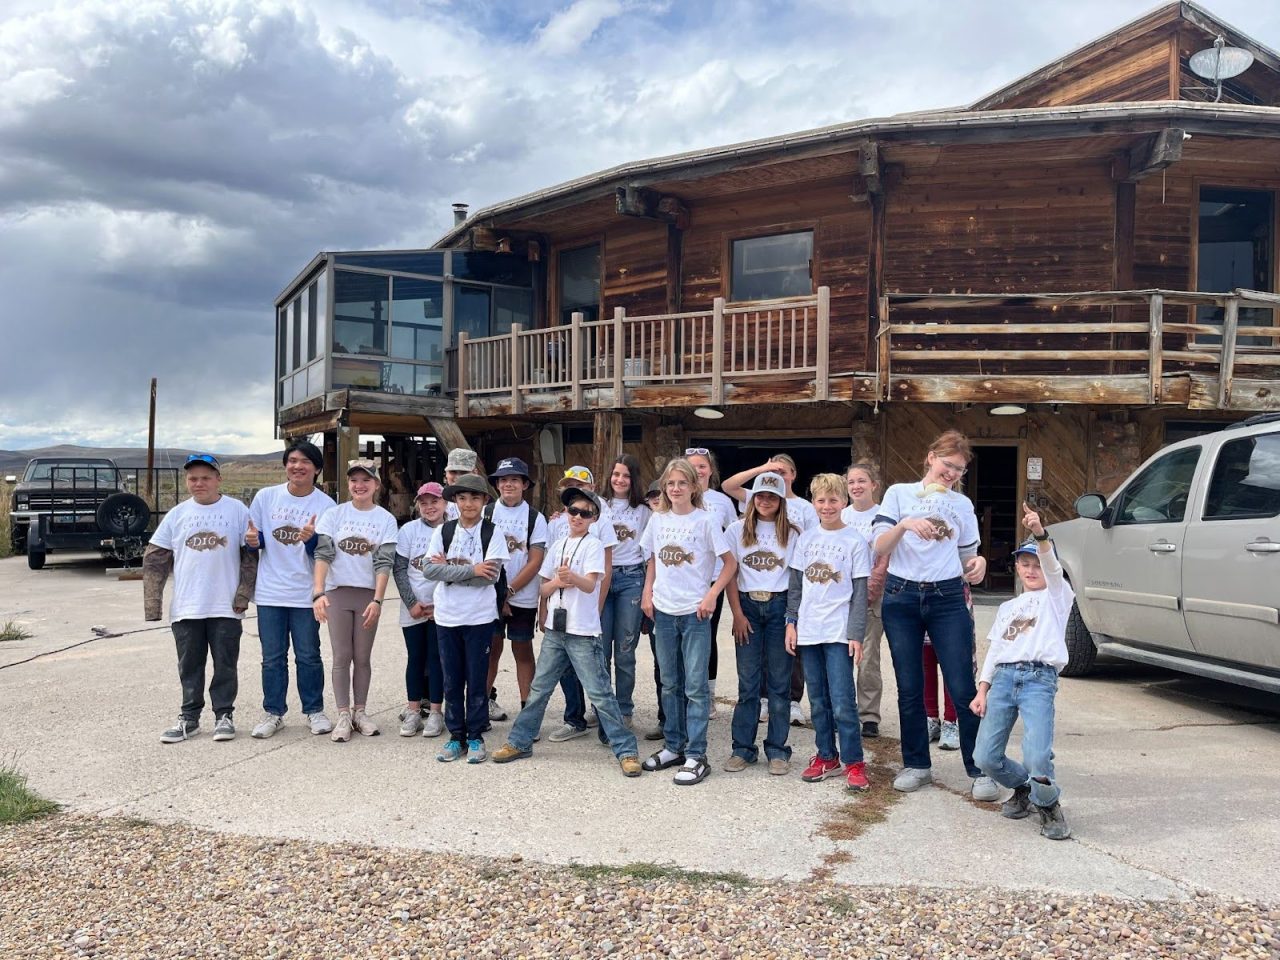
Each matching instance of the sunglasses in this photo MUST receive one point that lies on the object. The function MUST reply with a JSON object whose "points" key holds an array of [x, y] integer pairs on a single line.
{"points": [[208, 458], [579, 512], [578, 475], [696, 451]]}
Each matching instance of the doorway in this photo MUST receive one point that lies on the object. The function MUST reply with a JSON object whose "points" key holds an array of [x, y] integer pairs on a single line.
{"points": [[992, 483]]}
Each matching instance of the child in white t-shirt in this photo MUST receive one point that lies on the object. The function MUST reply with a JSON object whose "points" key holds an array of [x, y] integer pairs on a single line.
{"points": [[1020, 679], [826, 622], [422, 672], [862, 480]]}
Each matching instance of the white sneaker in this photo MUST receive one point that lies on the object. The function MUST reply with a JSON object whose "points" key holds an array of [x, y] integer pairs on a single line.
{"points": [[593, 719], [949, 738], [319, 724], [797, 715], [342, 729], [984, 788], [434, 725], [410, 723], [267, 726], [224, 729], [496, 713], [912, 778], [364, 724], [764, 709], [935, 729]]}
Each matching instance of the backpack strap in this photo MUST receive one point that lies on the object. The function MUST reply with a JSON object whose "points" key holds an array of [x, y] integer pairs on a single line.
{"points": [[446, 534]]}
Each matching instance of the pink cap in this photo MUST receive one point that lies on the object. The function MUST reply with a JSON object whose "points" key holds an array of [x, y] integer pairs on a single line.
{"points": [[431, 489]]}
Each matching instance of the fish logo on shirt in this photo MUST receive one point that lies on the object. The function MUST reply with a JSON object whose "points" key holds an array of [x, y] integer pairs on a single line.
{"points": [[672, 555], [356, 546], [821, 573], [205, 540], [623, 532], [514, 544], [458, 561], [763, 560], [1017, 626], [287, 535], [418, 561], [942, 529]]}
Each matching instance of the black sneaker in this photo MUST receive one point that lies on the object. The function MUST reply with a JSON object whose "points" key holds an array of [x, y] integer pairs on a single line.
{"points": [[870, 730], [1053, 822], [1019, 805], [184, 729]]}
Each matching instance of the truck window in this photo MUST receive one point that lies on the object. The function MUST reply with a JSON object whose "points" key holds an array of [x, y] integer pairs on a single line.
{"points": [[1246, 479], [1159, 493]]}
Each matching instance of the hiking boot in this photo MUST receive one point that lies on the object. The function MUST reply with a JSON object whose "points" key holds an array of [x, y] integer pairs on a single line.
{"points": [[797, 715], [949, 736], [779, 767], [912, 778], [184, 729], [434, 725], [319, 724], [870, 730], [1019, 805], [224, 728], [364, 724], [506, 753], [567, 732], [267, 726], [1053, 822], [984, 788], [855, 775], [495, 709], [410, 723], [476, 752], [452, 750], [342, 729], [630, 766], [735, 764], [820, 769], [935, 729]]}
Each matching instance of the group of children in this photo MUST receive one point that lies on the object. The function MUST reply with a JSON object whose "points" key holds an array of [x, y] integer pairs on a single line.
{"points": [[810, 584]]}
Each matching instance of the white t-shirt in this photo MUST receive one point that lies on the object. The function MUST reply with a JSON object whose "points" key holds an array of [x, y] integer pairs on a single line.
{"points": [[284, 567], [830, 561], [763, 566], [720, 506], [458, 605], [356, 535], [412, 543], [451, 511], [628, 525], [1033, 626], [928, 561], [206, 541], [584, 555], [863, 521], [513, 525], [802, 513], [685, 549], [601, 528]]}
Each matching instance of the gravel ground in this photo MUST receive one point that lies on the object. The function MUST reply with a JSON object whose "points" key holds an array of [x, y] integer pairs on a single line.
{"points": [[88, 887]]}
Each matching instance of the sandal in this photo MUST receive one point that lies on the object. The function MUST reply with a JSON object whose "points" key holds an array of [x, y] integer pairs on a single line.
{"points": [[655, 762], [687, 775]]}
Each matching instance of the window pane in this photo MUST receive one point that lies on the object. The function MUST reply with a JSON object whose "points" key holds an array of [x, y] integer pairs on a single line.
{"points": [[1159, 493], [348, 371], [290, 326], [360, 312], [511, 306], [417, 319], [296, 327], [427, 380], [310, 352], [493, 268], [282, 339], [410, 378], [1235, 243], [580, 283], [286, 391], [321, 338], [315, 379], [470, 311], [1246, 479], [430, 262], [767, 268]]}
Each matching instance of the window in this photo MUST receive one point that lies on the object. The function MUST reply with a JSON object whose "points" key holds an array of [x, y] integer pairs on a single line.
{"points": [[471, 311], [1236, 248], [417, 319], [1246, 479], [580, 283], [511, 306], [769, 268], [312, 309], [1159, 493], [430, 262], [360, 312], [503, 268]]}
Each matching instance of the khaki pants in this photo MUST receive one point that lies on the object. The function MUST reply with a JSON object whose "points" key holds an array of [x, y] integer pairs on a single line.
{"points": [[869, 684]]}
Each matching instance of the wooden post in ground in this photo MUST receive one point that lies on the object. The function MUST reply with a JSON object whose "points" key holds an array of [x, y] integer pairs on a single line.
{"points": [[619, 354], [1226, 372], [151, 449], [606, 447], [717, 351], [348, 449], [462, 374]]}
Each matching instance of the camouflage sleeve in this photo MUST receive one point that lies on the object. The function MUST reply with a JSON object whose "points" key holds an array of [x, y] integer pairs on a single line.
{"points": [[325, 549], [400, 573], [248, 579], [858, 611], [384, 558], [157, 564]]}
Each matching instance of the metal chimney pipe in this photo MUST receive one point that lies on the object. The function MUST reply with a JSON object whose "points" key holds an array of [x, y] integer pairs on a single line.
{"points": [[459, 212]]}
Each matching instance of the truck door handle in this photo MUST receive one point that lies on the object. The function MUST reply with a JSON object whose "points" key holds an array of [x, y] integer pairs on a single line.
{"points": [[1262, 546], [1162, 547]]}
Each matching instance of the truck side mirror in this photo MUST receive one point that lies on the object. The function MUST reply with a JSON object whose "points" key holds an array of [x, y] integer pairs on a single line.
{"points": [[1091, 506]]}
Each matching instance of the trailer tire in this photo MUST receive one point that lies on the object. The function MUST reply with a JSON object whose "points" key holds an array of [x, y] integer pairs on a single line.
{"points": [[35, 559], [1081, 650], [123, 515]]}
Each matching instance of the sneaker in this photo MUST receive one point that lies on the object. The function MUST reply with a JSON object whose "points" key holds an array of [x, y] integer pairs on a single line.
{"points": [[495, 709], [342, 729], [654, 733], [267, 726], [184, 729], [319, 724], [224, 729], [764, 709], [735, 764], [411, 723], [984, 788], [1018, 806], [434, 725], [797, 715], [855, 775], [870, 730], [567, 732], [949, 737], [778, 767], [593, 718], [452, 750], [935, 729], [820, 769], [364, 724], [506, 753], [1053, 822], [630, 766], [476, 752], [912, 778]]}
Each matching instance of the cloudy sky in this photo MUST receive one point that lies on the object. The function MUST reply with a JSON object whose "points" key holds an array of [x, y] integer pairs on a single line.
{"points": [[166, 166]]}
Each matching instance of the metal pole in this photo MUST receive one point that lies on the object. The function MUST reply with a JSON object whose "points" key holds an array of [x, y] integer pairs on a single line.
{"points": [[151, 447]]}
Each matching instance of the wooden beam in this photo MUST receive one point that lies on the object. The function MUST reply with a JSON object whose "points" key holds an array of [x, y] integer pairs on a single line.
{"points": [[674, 274], [1085, 298], [461, 385], [821, 387], [637, 201], [717, 351], [575, 360], [869, 166], [995, 356], [606, 447], [398, 404], [1226, 371], [1128, 389], [1155, 347], [448, 433], [348, 450], [1155, 153]]}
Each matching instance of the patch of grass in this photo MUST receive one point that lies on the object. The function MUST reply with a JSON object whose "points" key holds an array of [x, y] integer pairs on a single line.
{"points": [[839, 904], [12, 630], [17, 803], [658, 871], [850, 820], [6, 540]]}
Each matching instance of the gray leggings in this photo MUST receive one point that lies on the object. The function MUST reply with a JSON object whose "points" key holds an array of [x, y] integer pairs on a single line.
{"points": [[351, 643]]}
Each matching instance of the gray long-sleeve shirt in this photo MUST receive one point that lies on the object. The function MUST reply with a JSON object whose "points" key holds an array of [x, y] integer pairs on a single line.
{"points": [[857, 624]]}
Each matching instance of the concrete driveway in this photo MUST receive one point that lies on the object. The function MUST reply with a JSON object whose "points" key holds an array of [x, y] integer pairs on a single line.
{"points": [[1170, 781]]}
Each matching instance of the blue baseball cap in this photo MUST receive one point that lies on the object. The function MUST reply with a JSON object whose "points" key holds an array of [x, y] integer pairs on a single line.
{"points": [[1030, 545], [202, 459], [511, 467]]}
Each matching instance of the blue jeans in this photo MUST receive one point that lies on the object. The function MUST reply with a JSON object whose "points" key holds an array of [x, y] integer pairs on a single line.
{"points": [[276, 625], [575, 698], [1025, 689], [909, 610], [828, 670], [763, 664], [422, 670], [559, 650], [464, 657], [620, 623], [684, 648]]}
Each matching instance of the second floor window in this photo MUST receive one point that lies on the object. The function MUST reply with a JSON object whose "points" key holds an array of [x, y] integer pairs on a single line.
{"points": [[580, 283], [769, 268]]}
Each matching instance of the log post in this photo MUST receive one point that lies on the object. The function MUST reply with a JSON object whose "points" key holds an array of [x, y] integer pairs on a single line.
{"points": [[883, 334], [462, 374], [1155, 363], [717, 351], [348, 449], [606, 447], [575, 361], [517, 398], [821, 384], [1226, 372], [619, 315]]}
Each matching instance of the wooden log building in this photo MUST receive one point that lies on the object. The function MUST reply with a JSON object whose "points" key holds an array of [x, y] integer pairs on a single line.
{"points": [[1075, 270]]}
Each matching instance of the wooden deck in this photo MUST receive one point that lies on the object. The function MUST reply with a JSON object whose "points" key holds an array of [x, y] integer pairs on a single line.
{"points": [[1134, 347]]}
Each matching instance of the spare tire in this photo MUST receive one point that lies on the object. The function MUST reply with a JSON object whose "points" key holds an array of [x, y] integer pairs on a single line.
{"points": [[123, 515], [1081, 650]]}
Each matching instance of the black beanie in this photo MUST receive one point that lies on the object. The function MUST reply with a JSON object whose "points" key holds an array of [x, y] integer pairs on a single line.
{"points": [[308, 450]]}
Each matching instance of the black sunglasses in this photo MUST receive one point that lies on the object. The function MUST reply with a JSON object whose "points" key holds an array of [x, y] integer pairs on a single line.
{"points": [[579, 512]]}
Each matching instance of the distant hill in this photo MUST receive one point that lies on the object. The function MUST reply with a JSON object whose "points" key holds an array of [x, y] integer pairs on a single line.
{"points": [[12, 461]]}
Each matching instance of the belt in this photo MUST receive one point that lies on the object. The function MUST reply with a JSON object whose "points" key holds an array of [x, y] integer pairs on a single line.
{"points": [[764, 596], [894, 579], [630, 567]]}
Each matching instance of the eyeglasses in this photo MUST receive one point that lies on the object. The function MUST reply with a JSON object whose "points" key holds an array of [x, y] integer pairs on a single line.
{"points": [[583, 475], [696, 451], [953, 468], [579, 512]]}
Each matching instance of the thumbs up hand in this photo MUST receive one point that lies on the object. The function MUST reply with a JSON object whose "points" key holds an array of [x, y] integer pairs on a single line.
{"points": [[251, 538], [309, 530]]}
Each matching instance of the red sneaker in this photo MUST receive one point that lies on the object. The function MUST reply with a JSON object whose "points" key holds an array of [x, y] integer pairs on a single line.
{"points": [[819, 769], [856, 776]]}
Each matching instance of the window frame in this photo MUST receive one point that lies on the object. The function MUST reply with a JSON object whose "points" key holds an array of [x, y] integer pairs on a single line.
{"points": [[769, 230], [554, 285], [1127, 492], [1213, 474]]}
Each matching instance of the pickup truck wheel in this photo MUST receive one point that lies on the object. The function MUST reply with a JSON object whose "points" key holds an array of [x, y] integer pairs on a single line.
{"points": [[1081, 650], [35, 559], [123, 515]]}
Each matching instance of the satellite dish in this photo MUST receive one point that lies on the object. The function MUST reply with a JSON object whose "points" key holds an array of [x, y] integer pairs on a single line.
{"points": [[1219, 63]]}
